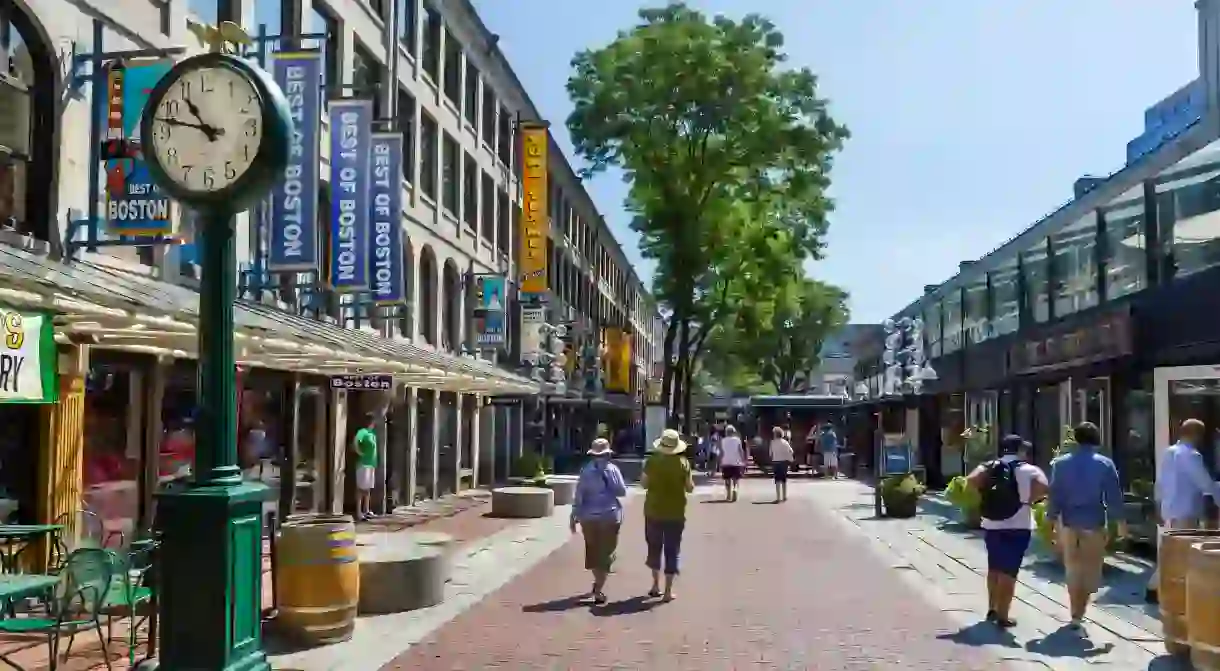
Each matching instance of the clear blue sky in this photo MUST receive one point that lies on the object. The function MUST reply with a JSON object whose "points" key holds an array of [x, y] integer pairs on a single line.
{"points": [[970, 118]]}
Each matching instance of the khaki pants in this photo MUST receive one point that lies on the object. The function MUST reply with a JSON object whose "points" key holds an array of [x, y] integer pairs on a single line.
{"points": [[1188, 523], [1084, 553]]}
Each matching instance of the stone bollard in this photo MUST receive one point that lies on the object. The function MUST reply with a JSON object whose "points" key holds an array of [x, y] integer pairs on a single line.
{"points": [[401, 577], [564, 487], [522, 502]]}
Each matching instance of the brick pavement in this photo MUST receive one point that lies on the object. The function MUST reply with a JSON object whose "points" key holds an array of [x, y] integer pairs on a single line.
{"points": [[764, 587]]}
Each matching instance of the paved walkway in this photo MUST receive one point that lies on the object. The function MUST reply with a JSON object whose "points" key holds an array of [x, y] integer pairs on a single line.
{"points": [[763, 587]]}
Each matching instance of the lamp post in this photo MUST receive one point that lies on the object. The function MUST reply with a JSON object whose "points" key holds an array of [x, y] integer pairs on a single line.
{"points": [[215, 136]]}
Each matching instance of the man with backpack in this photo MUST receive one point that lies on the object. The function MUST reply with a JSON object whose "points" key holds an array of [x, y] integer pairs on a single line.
{"points": [[1007, 486]]}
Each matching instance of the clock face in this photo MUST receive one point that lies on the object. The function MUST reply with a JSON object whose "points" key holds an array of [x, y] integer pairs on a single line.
{"points": [[207, 129]]}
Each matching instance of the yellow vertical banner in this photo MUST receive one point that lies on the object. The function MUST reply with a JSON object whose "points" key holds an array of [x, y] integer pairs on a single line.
{"points": [[618, 349], [533, 227]]}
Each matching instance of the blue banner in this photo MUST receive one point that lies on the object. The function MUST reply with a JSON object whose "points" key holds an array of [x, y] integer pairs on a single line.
{"points": [[350, 144], [489, 311], [385, 243], [293, 238], [135, 205]]}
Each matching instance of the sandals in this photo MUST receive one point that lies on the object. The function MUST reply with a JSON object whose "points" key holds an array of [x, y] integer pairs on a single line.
{"points": [[654, 593], [599, 599]]}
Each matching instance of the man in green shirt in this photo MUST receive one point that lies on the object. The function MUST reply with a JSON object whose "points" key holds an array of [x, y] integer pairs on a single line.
{"points": [[667, 479], [365, 446]]}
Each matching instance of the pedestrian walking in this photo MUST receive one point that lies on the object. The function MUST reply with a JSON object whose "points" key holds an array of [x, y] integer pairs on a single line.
{"points": [[598, 509], [1007, 487], [828, 444], [365, 447], [1085, 495], [668, 479], [781, 459], [732, 462], [1182, 484]]}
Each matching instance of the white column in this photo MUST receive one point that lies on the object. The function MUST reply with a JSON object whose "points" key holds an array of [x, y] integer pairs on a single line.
{"points": [[409, 479], [436, 443], [337, 451], [459, 411]]}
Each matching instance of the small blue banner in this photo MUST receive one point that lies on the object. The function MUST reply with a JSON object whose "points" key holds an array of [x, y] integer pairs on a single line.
{"points": [[293, 238], [896, 459], [489, 311], [135, 204], [385, 243], [350, 144]]}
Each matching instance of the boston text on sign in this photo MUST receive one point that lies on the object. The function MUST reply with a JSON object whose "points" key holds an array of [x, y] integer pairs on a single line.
{"points": [[294, 230], [386, 240], [349, 164]]}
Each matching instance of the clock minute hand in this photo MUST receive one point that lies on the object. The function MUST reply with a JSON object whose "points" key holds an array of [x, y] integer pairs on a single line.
{"points": [[208, 130]]}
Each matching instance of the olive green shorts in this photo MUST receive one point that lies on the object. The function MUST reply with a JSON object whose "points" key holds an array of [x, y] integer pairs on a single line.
{"points": [[601, 540]]}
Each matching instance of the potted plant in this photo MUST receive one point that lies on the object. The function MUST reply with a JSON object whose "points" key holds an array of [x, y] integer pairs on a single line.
{"points": [[967, 500], [900, 494]]}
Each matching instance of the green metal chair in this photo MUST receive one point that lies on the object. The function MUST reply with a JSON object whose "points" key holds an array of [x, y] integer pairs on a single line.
{"points": [[130, 590], [75, 606]]}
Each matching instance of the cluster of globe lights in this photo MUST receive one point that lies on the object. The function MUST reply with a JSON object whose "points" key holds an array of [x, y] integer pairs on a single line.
{"points": [[543, 363], [906, 368]]}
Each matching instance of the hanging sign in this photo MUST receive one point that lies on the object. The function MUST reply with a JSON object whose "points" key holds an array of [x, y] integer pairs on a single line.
{"points": [[385, 241], [362, 382], [618, 360], [350, 140], [489, 310], [532, 319], [533, 226], [135, 205], [28, 360], [293, 239]]}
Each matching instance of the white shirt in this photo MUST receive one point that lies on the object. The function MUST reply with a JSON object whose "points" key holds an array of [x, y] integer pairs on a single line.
{"points": [[781, 450], [731, 452], [1026, 474], [1182, 481]]}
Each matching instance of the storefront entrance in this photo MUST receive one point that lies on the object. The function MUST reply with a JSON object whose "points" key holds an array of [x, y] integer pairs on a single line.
{"points": [[1187, 392]]}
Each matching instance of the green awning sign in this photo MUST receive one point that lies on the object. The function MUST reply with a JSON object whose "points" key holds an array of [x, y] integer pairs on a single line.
{"points": [[28, 360]]}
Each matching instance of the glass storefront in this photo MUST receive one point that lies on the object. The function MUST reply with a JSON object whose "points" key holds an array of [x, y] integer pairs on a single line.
{"points": [[1075, 266], [1034, 266], [1006, 299], [951, 337], [1126, 262], [112, 446], [1188, 212], [975, 320]]}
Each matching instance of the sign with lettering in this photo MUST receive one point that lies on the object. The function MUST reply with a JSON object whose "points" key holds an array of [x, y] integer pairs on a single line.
{"points": [[28, 360], [350, 139], [362, 382], [534, 225], [385, 194], [135, 205], [489, 310], [293, 243], [1109, 336]]}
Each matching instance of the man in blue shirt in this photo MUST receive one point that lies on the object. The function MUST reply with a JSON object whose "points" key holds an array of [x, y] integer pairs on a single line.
{"points": [[1084, 494], [828, 442]]}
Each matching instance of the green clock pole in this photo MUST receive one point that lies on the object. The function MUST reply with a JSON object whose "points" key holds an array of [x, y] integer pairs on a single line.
{"points": [[210, 559]]}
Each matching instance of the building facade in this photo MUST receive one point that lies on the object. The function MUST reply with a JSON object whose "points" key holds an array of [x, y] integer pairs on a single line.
{"points": [[122, 420]]}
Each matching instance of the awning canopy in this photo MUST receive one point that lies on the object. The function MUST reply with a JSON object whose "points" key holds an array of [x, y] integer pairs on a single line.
{"points": [[125, 311]]}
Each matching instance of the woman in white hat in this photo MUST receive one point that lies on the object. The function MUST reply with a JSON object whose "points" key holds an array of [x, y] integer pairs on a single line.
{"points": [[668, 479], [598, 510]]}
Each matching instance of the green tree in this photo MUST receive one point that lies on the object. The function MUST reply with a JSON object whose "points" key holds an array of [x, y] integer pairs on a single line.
{"points": [[716, 136]]}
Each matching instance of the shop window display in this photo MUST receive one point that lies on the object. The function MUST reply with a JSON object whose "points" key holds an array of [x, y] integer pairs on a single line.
{"points": [[1135, 456], [111, 451], [19, 442]]}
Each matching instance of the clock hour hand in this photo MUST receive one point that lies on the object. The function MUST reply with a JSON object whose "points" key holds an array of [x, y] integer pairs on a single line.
{"points": [[210, 132], [207, 129]]}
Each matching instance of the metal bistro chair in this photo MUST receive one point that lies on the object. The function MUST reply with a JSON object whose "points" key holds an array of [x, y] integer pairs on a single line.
{"points": [[130, 590], [79, 530], [75, 606]]}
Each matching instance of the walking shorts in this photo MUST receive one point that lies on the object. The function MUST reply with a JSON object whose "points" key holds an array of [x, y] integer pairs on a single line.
{"points": [[1084, 553], [1006, 549], [731, 472], [601, 542], [779, 470]]}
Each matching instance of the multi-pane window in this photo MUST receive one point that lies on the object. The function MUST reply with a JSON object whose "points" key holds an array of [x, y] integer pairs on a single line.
{"points": [[319, 21], [366, 77], [470, 106], [450, 165], [489, 208], [406, 124], [453, 69], [1075, 266], [505, 137], [974, 313], [510, 246], [952, 320], [1126, 261], [1005, 298], [407, 22], [432, 43], [427, 156], [470, 191], [1187, 202], [489, 116], [1034, 268], [502, 221]]}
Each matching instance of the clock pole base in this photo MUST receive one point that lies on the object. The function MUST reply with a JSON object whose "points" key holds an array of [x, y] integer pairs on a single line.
{"points": [[211, 570]]}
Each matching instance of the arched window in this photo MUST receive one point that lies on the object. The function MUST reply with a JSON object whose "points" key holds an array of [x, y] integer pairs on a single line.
{"points": [[29, 85], [452, 310], [427, 295], [406, 322]]}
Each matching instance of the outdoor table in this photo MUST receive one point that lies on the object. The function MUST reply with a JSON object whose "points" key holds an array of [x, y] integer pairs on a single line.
{"points": [[11, 535], [14, 586]]}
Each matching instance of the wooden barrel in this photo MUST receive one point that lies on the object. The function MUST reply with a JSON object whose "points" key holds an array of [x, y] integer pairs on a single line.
{"points": [[1203, 605], [319, 578], [1172, 566]]}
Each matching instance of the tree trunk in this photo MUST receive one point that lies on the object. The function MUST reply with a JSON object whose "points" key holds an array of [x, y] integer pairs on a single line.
{"points": [[688, 378], [683, 367], [667, 383]]}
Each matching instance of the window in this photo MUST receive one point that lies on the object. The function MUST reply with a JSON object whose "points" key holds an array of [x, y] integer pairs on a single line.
{"points": [[269, 13], [406, 123], [505, 136], [378, 7], [450, 165], [1126, 262], [976, 324], [366, 77], [470, 107], [407, 20], [502, 222], [470, 192], [1005, 299], [1075, 264], [319, 20], [489, 116], [1033, 263], [432, 43], [427, 156], [453, 69], [489, 208], [1188, 212], [952, 334]]}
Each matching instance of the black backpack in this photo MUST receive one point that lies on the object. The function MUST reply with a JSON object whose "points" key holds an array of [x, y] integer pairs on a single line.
{"points": [[1001, 496]]}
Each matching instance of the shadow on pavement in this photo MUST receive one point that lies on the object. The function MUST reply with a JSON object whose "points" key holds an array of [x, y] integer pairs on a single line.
{"points": [[765, 503], [1065, 642], [981, 634], [556, 605], [715, 501], [636, 604]]}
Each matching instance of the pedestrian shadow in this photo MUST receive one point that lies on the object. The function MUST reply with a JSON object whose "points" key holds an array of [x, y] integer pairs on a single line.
{"points": [[1066, 642], [764, 503], [981, 634], [556, 605], [715, 501], [636, 604]]}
